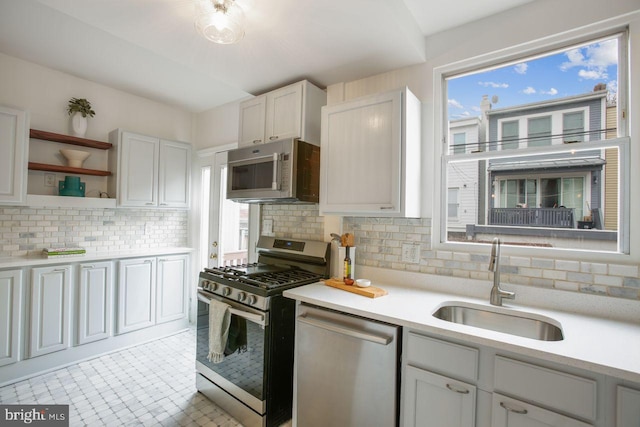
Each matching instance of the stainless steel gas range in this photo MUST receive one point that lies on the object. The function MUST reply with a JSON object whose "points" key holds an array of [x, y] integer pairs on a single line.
{"points": [[254, 382]]}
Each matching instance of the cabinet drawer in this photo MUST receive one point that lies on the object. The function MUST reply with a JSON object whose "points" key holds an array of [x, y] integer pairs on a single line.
{"points": [[554, 389], [444, 357], [511, 412]]}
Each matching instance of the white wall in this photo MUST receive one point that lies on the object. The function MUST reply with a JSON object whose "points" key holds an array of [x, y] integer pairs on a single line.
{"points": [[44, 92], [217, 127]]}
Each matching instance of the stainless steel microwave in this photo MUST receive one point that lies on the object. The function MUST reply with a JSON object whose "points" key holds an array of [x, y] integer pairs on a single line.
{"points": [[284, 171]]}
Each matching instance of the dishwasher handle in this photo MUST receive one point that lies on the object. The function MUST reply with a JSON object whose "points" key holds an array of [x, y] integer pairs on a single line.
{"points": [[345, 330]]}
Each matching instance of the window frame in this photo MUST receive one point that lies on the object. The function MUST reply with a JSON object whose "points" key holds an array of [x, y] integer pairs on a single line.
{"points": [[511, 56]]}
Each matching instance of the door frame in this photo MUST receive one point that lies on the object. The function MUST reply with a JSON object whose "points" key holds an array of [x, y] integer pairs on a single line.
{"points": [[206, 157]]}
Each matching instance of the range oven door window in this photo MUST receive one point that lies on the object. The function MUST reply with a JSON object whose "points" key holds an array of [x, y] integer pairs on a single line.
{"points": [[241, 373]]}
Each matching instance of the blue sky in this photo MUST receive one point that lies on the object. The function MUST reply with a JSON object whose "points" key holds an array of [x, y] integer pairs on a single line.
{"points": [[571, 72]]}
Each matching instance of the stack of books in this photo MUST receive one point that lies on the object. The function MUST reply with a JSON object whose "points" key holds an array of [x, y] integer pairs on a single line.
{"points": [[62, 252]]}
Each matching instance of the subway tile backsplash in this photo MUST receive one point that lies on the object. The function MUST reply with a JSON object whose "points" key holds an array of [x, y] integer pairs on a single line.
{"points": [[380, 242], [28, 230]]}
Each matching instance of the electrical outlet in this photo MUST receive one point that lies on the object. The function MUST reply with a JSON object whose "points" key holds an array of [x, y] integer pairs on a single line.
{"points": [[49, 180], [267, 226], [411, 253]]}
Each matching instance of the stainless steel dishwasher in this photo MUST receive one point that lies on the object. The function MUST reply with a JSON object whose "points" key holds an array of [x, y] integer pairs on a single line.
{"points": [[346, 370]]}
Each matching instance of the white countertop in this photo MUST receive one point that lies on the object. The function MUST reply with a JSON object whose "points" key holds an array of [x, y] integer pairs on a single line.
{"points": [[606, 346], [38, 260]]}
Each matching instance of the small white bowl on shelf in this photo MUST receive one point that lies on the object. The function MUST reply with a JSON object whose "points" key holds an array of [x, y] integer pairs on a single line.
{"points": [[75, 158], [363, 283]]}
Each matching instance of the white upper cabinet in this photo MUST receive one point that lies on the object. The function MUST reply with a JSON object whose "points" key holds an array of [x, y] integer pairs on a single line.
{"points": [[292, 111], [370, 156], [14, 156], [174, 184], [252, 121], [150, 172]]}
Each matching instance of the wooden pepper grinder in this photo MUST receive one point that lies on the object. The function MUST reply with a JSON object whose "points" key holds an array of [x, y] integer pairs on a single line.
{"points": [[347, 241]]}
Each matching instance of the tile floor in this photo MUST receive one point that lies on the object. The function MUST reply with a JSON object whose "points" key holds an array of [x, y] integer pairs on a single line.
{"points": [[152, 384]]}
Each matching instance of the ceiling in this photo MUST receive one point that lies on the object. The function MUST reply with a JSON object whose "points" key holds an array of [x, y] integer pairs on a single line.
{"points": [[150, 47]]}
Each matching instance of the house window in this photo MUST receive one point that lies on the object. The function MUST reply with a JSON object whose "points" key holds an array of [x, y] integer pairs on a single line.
{"points": [[573, 127], [510, 132], [537, 180], [459, 141], [452, 202], [539, 131]]}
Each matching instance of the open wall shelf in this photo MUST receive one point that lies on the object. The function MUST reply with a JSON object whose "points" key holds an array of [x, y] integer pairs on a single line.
{"points": [[72, 140], [67, 139]]}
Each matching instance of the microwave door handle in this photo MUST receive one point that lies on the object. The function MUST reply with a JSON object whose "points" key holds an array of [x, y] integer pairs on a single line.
{"points": [[274, 181]]}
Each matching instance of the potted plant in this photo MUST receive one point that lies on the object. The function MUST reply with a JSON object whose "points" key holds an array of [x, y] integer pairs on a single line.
{"points": [[79, 109]]}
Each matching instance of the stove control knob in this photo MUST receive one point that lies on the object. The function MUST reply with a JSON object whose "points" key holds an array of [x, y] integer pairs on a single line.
{"points": [[205, 284], [226, 291], [242, 296], [253, 299], [213, 286]]}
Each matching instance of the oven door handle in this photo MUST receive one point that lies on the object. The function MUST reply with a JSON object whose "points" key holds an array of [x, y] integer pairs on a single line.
{"points": [[259, 318]]}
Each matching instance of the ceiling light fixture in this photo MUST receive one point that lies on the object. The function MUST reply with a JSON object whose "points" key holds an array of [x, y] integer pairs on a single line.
{"points": [[220, 21]]}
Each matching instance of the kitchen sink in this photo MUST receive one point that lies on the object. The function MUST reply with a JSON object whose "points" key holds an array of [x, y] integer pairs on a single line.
{"points": [[501, 320]]}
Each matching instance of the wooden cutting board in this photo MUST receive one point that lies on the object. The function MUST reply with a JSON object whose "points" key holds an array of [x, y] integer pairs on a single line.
{"points": [[369, 291]]}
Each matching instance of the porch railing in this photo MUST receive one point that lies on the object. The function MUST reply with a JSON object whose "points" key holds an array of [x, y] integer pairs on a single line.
{"points": [[234, 258], [533, 217]]}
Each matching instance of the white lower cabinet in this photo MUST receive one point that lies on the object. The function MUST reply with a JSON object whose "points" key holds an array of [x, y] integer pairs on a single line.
{"points": [[136, 294], [171, 301], [507, 412], [151, 291], [95, 306], [627, 407], [436, 400], [50, 309], [10, 316], [447, 383]]}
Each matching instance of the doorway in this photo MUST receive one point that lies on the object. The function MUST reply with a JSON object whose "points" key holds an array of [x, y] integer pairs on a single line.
{"points": [[228, 229]]}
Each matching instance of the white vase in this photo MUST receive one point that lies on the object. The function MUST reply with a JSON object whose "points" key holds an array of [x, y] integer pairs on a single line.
{"points": [[78, 125]]}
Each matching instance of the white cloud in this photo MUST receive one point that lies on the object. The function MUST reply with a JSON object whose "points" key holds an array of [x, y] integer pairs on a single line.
{"points": [[494, 85], [476, 109], [593, 59], [454, 103], [552, 91], [521, 68], [596, 74], [529, 91]]}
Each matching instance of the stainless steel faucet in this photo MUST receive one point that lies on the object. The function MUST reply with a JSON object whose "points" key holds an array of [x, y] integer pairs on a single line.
{"points": [[497, 294]]}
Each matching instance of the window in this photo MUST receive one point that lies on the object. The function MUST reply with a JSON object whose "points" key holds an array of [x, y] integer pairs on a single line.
{"points": [[510, 132], [551, 158], [539, 131], [452, 197], [459, 140]]}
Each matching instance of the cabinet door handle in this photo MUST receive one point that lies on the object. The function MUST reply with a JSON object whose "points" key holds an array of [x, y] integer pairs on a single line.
{"points": [[386, 207], [273, 138], [88, 266], [457, 389], [163, 204], [514, 410], [257, 141], [149, 203]]}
